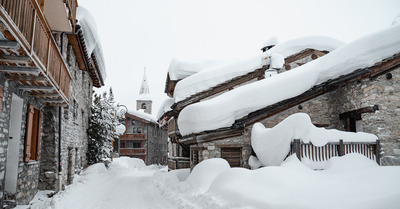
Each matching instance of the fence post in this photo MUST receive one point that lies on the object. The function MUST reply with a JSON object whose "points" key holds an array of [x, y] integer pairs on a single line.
{"points": [[341, 148], [296, 147], [378, 152]]}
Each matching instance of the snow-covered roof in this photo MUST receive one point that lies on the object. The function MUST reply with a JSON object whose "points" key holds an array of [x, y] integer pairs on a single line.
{"points": [[223, 110], [91, 37], [180, 69], [141, 114], [217, 74], [321, 43], [165, 107], [273, 144], [272, 41]]}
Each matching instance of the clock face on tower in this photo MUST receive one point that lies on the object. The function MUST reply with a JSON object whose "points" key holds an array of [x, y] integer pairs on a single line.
{"points": [[144, 106]]}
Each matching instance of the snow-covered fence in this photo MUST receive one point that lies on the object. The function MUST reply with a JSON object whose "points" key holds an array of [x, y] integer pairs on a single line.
{"points": [[332, 149], [178, 163]]}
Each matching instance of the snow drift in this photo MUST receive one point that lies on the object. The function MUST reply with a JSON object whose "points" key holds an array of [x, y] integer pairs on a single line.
{"points": [[273, 144]]}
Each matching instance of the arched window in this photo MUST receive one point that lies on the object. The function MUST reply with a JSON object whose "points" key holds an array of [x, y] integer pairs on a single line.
{"points": [[144, 106]]}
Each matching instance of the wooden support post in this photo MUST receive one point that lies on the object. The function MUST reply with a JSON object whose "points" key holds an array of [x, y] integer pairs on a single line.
{"points": [[341, 148], [18, 69], [36, 88], [378, 152], [9, 44], [296, 148]]}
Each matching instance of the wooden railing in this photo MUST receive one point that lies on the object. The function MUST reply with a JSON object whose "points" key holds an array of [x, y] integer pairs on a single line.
{"points": [[35, 35], [178, 163], [333, 149], [133, 137]]}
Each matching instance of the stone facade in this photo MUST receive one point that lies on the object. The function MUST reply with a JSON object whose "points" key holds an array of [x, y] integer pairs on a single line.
{"points": [[145, 140], [44, 172]]}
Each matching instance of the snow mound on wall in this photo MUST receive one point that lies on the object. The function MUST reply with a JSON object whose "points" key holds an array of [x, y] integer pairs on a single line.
{"points": [[91, 37], [141, 114], [272, 41], [351, 161], [321, 43], [223, 110], [205, 172], [273, 144], [217, 74]]}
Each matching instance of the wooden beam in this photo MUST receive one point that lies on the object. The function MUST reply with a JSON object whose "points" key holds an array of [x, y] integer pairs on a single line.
{"points": [[27, 78], [52, 100], [45, 95], [14, 59], [36, 88], [9, 44], [18, 69]]}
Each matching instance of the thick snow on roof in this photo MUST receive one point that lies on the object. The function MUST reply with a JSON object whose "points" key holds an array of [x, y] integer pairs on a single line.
{"points": [[273, 144], [272, 41], [165, 107], [321, 43], [141, 114], [92, 40], [179, 69], [223, 110], [217, 74]]}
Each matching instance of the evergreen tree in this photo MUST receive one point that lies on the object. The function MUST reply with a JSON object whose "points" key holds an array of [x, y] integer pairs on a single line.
{"points": [[102, 128]]}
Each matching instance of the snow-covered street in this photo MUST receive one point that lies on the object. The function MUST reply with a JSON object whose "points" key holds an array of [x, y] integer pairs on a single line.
{"points": [[352, 181]]}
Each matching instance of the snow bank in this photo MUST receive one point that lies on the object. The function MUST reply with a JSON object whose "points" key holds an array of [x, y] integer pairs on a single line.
{"points": [[141, 114], [321, 43], [91, 37], [273, 144], [217, 74], [165, 107], [205, 172], [223, 110], [293, 185]]}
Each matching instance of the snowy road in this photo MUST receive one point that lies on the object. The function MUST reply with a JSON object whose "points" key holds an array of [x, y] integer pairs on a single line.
{"points": [[124, 186]]}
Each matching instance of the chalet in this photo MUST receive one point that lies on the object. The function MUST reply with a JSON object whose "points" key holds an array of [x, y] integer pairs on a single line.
{"points": [[295, 53], [48, 68], [143, 137], [353, 88]]}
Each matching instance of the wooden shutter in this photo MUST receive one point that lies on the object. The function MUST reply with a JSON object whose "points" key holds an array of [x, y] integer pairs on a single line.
{"points": [[28, 134], [233, 155], [39, 130]]}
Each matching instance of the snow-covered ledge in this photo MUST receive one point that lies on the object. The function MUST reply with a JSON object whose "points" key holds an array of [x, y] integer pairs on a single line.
{"points": [[272, 145]]}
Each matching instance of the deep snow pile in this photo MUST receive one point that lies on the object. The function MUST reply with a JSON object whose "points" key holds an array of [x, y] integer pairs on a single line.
{"points": [[223, 110], [273, 144], [217, 74], [348, 182], [165, 107]]}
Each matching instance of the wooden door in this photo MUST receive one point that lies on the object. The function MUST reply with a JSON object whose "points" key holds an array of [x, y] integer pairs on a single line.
{"points": [[233, 155]]}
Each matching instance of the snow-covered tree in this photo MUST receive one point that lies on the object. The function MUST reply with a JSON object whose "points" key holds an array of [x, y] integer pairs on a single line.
{"points": [[102, 128]]}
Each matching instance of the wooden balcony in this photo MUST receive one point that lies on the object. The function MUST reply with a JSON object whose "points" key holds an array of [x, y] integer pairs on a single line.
{"points": [[140, 137], [28, 53]]}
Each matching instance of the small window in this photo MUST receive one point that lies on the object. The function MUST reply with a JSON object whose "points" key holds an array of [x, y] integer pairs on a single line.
{"points": [[144, 106], [122, 144], [139, 130]]}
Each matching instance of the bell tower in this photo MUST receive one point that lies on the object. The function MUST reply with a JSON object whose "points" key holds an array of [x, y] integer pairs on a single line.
{"points": [[144, 101]]}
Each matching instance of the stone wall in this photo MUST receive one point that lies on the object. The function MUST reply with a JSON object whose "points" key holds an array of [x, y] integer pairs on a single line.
{"points": [[157, 147], [27, 177]]}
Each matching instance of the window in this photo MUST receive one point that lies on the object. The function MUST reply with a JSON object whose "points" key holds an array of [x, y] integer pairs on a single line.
{"points": [[353, 119], [32, 134], [144, 106], [122, 144], [233, 155], [133, 144]]}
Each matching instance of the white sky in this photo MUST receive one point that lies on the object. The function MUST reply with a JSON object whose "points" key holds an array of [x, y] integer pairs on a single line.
{"points": [[138, 33]]}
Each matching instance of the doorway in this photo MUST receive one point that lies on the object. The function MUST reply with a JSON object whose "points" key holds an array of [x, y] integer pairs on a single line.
{"points": [[14, 145]]}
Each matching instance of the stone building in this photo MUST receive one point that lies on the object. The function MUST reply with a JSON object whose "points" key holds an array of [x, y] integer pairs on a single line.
{"points": [[47, 75], [364, 98], [143, 138]]}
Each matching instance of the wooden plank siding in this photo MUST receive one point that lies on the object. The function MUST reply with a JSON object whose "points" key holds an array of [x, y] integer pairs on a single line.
{"points": [[233, 155], [29, 27]]}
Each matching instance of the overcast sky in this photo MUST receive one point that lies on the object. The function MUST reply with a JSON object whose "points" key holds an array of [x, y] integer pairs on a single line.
{"points": [[138, 33]]}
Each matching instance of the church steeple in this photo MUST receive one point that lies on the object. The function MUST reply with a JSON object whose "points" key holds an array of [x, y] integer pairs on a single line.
{"points": [[144, 101], [144, 89]]}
